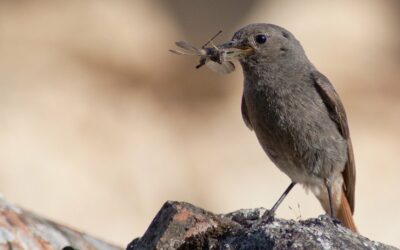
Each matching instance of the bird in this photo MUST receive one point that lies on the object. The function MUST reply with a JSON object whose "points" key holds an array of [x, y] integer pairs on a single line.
{"points": [[297, 116]]}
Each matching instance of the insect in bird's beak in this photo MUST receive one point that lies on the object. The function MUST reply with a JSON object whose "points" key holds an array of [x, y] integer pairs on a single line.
{"points": [[213, 56], [236, 49]]}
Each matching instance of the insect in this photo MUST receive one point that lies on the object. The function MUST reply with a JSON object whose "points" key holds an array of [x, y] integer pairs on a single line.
{"points": [[213, 56]]}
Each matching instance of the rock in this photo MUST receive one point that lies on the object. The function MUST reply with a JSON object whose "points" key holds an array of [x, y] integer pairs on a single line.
{"points": [[21, 229], [180, 225]]}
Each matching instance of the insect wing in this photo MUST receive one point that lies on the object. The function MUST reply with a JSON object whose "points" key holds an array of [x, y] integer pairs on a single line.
{"points": [[190, 49], [177, 52], [223, 68]]}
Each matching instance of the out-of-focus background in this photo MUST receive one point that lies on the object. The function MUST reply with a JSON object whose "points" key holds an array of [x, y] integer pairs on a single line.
{"points": [[100, 124]]}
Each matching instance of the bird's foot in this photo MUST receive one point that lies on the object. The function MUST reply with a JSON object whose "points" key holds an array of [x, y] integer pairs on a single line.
{"points": [[334, 219], [268, 216]]}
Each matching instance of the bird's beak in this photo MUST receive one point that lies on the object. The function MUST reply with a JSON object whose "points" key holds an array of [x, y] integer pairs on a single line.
{"points": [[235, 49]]}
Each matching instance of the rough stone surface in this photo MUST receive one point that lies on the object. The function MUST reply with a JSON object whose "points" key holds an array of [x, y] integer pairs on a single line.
{"points": [[180, 225], [23, 230]]}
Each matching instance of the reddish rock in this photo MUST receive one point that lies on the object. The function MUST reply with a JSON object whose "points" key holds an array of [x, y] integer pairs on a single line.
{"points": [[179, 225]]}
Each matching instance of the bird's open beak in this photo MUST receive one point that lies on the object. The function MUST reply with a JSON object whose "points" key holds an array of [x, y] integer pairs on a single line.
{"points": [[235, 49]]}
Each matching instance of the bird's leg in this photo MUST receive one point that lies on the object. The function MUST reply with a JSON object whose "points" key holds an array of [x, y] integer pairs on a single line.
{"points": [[270, 213], [328, 188]]}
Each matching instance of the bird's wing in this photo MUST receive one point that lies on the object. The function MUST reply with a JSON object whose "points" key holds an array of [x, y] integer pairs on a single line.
{"points": [[245, 114], [338, 115]]}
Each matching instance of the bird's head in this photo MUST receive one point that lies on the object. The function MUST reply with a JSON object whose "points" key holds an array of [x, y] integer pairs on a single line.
{"points": [[263, 43]]}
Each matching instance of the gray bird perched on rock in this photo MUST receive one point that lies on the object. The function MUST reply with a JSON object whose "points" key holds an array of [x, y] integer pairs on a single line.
{"points": [[296, 115]]}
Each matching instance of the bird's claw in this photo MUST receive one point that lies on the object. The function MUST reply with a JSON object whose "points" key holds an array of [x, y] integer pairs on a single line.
{"points": [[268, 216]]}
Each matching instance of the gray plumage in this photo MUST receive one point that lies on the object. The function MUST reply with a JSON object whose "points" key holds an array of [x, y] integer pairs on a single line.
{"points": [[295, 113]]}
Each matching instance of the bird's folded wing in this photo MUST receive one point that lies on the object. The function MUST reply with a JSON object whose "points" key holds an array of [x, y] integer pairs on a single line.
{"points": [[338, 115], [245, 114]]}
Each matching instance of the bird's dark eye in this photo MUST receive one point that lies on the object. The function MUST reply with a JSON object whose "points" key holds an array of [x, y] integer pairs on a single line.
{"points": [[260, 39]]}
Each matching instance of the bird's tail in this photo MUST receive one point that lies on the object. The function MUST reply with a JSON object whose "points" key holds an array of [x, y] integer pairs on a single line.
{"points": [[340, 204], [345, 215]]}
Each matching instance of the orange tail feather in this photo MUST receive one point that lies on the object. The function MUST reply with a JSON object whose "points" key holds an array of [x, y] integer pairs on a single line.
{"points": [[344, 214]]}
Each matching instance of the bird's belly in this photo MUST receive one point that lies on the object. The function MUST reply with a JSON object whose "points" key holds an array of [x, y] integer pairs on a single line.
{"points": [[286, 160], [304, 145], [296, 171]]}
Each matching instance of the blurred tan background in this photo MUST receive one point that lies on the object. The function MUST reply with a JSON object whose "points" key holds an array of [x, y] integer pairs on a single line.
{"points": [[99, 124]]}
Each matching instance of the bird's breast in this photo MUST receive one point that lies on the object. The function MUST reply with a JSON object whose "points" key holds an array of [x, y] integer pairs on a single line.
{"points": [[293, 126]]}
